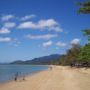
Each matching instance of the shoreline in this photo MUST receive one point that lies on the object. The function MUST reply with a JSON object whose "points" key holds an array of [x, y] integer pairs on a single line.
{"points": [[59, 78], [27, 75]]}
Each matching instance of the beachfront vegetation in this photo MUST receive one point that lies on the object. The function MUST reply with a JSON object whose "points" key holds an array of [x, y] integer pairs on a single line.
{"points": [[75, 56], [78, 55], [84, 54], [84, 7]]}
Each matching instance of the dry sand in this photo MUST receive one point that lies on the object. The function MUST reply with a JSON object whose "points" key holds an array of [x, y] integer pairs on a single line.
{"points": [[59, 78]]}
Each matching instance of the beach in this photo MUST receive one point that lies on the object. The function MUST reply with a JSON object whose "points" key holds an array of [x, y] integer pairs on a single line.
{"points": [[55, 78]]}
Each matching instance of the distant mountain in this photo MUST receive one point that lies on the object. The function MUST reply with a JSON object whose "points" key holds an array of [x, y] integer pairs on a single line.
{"points": [[17, 62], [39, 61], [4, 63]]}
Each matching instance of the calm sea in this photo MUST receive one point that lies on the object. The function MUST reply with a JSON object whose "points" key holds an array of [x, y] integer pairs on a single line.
{"points": [[7, 72]]}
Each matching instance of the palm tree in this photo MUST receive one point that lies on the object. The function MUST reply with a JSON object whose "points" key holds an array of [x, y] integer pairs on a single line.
{"points": [[84, 7]]}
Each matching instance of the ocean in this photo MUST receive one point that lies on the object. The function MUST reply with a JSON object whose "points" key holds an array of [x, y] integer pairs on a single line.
{"points": [[7, 72]]}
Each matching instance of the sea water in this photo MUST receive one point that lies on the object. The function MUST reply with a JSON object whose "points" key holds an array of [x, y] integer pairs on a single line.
{"points": [[7, 72]]}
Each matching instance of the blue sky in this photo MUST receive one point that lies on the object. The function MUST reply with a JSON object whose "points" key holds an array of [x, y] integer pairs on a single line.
{"points": [[30, 28]]}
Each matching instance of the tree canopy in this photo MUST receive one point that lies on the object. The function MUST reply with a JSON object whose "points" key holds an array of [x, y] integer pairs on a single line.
{"points": [[84, 55], [84, 7]]}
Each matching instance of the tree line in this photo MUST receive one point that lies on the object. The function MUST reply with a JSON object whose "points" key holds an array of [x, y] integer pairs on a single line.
{"points": [[78, 55]]}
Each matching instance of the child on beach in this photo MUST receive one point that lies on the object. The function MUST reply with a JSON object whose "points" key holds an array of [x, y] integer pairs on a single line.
{"points": [[16, 77], [24, 78]]}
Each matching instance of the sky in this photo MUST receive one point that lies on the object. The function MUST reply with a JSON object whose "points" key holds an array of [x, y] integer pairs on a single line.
{"points": [[35, 28]]}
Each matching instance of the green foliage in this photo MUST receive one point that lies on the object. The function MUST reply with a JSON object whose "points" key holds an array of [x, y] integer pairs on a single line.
{"points": [[84, 55], [78, 54], [71, 56], [84, 7], [74, 55], [86, 32], [62, 60]]}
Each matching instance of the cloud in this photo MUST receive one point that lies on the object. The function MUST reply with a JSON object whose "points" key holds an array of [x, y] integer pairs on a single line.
{"points": [[9, 24], [49, 24], [43, 24], [4, 31], [40, 24], [61, 44], [5, 39], [7, 17], [26, 25], [56, 28], [10, 16], [27, 17], [75, 41], [46, 36], [6, 27], [46, 44]]}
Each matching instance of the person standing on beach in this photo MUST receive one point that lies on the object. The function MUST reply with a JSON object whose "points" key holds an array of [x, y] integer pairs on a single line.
{"points": [[24, 78], [16, 77]]}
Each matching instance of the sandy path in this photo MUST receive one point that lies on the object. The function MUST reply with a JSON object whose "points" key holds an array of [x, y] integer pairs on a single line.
{"points": [[59, 78]]}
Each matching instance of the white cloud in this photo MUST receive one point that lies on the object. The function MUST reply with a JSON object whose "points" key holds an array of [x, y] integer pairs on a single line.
{"points": [[57, 29], [5, 39], [46, 44], [9, 24], [7, 17], [75, 41], [10, 16], [6, 27], [46, 36], [26, 25], [27, 17], [61, 44], [49, 24], [40, 24], [4, 31]]}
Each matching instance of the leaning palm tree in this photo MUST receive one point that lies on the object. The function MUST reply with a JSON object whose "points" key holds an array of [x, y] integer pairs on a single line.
{"points": [[84, 7]]}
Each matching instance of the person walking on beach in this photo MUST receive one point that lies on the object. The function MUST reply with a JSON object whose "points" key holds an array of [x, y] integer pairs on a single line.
{"points": [[16, 77]]}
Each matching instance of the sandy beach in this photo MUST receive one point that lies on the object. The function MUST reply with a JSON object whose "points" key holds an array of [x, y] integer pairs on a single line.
{"points": [[57, 78]]}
